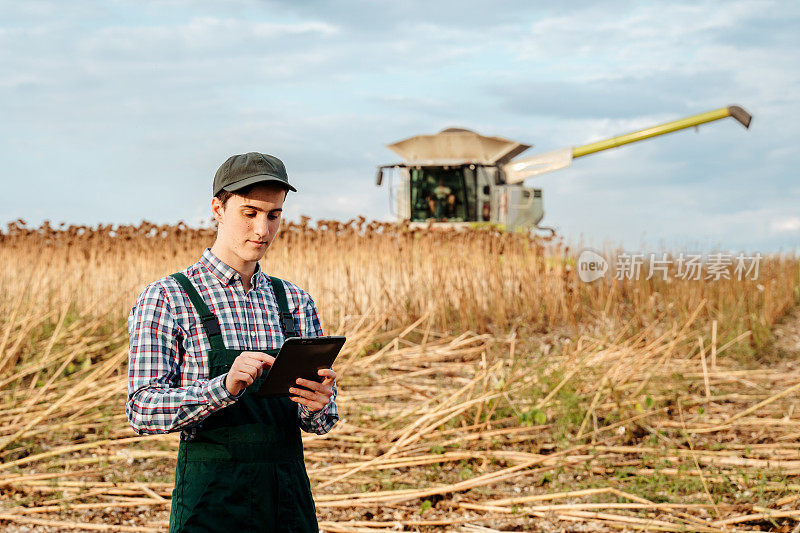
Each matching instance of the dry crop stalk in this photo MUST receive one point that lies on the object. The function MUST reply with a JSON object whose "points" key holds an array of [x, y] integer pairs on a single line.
{"points": [[420, 296]]}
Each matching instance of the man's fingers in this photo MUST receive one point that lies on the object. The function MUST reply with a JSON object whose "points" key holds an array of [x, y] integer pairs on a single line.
{"points": [[303, 401], [312, 405], [258, 366], [327, 373], [253, 368], [263, 358], [322, 397], [315, 385], [315, 396], [243, 377], [255, 362], [248, 367]]}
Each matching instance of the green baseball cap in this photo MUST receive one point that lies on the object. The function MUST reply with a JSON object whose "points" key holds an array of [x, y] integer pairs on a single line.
{"points": [[246, 169]]}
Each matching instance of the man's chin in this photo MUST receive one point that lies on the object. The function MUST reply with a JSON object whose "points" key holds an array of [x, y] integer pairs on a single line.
{"points": [[250, 254], [257, 256]]}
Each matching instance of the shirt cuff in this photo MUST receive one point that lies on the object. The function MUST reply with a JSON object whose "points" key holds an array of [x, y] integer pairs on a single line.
{"points": [[218, 394]]}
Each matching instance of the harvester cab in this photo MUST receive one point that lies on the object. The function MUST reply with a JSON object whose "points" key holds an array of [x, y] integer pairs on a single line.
{"points": [[459, 177]]}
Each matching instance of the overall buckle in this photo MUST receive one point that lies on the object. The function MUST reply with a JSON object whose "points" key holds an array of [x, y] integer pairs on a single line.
{"points": [[287, 324], [211, 325]]}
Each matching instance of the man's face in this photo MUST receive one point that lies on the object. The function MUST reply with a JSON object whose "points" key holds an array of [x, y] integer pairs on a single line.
{"points": [[248, 224]]}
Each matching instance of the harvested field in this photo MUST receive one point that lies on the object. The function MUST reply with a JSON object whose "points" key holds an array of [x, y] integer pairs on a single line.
{"points": [[483, 386]]}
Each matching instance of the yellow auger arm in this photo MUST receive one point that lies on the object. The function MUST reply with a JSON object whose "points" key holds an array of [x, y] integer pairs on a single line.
{"points": [[517, 171]]}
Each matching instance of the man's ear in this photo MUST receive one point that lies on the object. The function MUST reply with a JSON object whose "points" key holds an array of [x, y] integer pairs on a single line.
{"points": [[217, 209]]}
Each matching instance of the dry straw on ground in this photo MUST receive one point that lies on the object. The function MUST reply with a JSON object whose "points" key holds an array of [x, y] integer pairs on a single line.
{"points": [[484, 388]]}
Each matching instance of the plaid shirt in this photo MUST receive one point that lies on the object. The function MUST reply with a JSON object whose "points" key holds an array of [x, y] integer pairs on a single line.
{"points": [[168, 385]]}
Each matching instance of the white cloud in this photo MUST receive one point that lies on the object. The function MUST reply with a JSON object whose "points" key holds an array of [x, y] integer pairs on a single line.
{"points": [[786, 225], [208, 34], [162, 93]]}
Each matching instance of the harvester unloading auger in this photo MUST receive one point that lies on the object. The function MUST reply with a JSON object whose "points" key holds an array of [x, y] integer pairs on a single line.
{"points": [[458, 177]]}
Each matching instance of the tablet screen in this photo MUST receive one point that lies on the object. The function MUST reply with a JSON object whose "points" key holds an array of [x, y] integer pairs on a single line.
{"points": [[300, 357]]}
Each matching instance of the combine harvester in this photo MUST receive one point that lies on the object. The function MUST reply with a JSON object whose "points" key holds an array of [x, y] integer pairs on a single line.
{"points": [[458, 177]]}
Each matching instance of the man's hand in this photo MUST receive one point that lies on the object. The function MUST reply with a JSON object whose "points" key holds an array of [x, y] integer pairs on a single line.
{"points": [[246, 368], [320, 393]]}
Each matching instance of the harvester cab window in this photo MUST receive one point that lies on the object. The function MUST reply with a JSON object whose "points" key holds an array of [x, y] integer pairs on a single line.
{"points": [[438, 193]]}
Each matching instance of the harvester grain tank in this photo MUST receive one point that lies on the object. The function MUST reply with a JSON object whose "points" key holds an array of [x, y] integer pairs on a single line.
{"points": [[460, 177]]}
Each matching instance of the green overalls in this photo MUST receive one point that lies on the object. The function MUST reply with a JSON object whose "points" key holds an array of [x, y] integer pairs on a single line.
{"points": [[245, 469]]}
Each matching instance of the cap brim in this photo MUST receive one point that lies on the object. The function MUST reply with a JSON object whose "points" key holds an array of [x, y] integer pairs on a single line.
{"points": [[260, 178]]}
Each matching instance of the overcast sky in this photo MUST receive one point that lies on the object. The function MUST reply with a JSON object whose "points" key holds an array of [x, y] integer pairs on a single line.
{"points": [[114, 112]]}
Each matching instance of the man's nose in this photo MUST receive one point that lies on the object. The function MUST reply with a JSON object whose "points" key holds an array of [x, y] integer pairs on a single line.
{"points": [[262, 227]]}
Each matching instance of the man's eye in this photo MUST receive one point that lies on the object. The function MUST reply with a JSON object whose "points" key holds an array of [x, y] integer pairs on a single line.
{"points": [[250, 214], [273, 217]]}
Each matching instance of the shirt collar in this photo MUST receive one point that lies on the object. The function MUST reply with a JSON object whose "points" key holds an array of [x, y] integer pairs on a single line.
{"points": [[226, 274]]}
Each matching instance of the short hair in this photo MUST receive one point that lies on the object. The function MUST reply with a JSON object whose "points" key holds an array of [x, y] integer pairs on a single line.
{"points": [[224, 195]]}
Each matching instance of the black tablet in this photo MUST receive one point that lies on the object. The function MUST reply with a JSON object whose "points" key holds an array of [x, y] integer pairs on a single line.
{"points": [[300, 357]]}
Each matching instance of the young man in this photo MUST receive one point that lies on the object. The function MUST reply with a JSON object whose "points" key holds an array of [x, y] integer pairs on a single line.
{"points": [[199, 342]]}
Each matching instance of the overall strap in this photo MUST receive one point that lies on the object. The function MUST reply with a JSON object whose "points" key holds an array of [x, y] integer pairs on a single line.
{"points": [[287, 322], [210, 322]]}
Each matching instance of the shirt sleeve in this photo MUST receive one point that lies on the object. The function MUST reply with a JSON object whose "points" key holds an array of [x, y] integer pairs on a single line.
{"points": [[322, 421], [156, 401]]}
